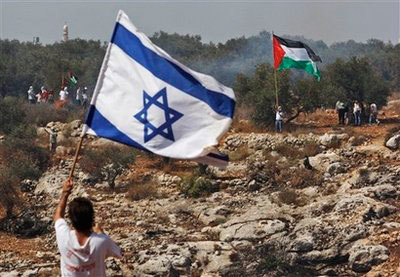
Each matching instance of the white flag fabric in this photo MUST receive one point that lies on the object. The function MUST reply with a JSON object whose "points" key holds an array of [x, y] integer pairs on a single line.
{"points": [[146, 99]]}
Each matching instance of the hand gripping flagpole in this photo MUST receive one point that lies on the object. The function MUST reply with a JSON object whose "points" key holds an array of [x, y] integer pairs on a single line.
{"points": [[95, 93], [276, 82]]}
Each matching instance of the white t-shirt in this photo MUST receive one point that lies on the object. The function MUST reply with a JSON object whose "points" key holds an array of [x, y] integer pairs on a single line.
{"points": [[63, 95], [356, 108], [85, 260], [374, 108], [279, 115]]}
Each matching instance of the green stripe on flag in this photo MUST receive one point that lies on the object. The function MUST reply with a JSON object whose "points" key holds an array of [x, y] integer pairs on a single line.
{"points": [[309, 66]]}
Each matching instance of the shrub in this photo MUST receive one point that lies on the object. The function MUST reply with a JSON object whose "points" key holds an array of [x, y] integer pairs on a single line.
{"points": [[291, 197], [195, 186], [239, 154], [107, 163], [11, 114], [301, 178], [141, 191], [8, 193], [29, 160], [288, 150], [311, 149]]}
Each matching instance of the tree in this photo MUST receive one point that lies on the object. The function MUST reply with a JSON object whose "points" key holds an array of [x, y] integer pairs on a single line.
{"points": [[107, 163], [257, 93], [356, 79]]}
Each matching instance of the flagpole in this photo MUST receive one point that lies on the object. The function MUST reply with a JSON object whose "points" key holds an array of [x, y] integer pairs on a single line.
{"points": [[276, 90], [78, 148], [275, 78]]}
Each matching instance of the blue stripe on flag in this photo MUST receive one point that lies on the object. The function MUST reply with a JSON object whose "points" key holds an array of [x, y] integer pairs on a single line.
{"points": [[104, 128], [169, 72]]}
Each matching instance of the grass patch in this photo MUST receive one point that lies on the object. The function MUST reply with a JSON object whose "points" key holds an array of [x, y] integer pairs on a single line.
{"points": [[239, 154], [291, 197], [311, 149], [195, 186], [139, 191]]}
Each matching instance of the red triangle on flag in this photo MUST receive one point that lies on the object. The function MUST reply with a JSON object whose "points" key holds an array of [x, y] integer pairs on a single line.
{"points": [[278, 52]]}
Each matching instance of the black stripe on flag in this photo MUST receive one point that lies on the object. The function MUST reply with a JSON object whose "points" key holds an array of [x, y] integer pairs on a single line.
{"points": [[298, 44]]}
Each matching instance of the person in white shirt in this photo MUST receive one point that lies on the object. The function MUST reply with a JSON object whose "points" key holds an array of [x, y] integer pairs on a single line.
{"points": [[84, 97], [279, 120], [78, 96], [373, 114], [83, 249], [357, 113], [31, 95], [64, 94]]}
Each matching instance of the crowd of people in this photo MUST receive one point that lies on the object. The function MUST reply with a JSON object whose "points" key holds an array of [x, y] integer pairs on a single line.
{"points": [[354, 113], [47, 96], [357, 113]]}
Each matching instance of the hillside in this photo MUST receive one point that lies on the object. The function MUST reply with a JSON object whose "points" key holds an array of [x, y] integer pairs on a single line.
{"points": [[264, 215]]}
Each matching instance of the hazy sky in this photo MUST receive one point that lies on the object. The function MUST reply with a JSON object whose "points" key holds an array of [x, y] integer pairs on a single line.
{"points": [[217, 21]]}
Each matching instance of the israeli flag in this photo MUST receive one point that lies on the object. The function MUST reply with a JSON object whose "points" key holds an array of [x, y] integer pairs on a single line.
{"points": [[146, 99]]}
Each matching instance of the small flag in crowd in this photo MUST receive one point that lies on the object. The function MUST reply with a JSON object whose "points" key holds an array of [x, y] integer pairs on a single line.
{"points": [[295, 54], [72, 81], [146, 99]]}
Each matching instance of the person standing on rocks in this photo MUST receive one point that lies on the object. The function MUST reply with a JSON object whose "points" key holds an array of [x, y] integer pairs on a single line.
{"points": [[84, 249]]}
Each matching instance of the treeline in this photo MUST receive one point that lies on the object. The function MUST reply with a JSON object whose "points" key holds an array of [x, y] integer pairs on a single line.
{"points": [[23, 64]]}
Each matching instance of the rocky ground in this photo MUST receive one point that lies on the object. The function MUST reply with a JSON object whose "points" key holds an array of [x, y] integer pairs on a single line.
{"points": [[318, 201]]}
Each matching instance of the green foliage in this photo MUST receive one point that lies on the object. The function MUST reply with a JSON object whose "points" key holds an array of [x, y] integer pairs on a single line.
{"points": [[195, 186], [107, 162], [8, 192], [23, 64], [28, 161], [258, 93], [11, 114], [356, 79]]}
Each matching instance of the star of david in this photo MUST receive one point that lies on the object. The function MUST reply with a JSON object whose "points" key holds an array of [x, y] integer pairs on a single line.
{"points": [[171, 116]]}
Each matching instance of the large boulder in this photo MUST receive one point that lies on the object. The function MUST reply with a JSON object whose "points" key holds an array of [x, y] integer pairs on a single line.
{"points": [[322, 161], [332, 139], [394, 142], [363, 256]]}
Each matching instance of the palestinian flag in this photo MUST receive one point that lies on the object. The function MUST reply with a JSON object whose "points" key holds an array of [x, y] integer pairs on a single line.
{"points": [[72, 81], [295, 54]]}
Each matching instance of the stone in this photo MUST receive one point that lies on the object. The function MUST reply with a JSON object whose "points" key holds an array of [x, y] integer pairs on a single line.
{"points": [[302, 244], [393, 143], [336, 168], [331, 139], [76, 124], [252, 231], [323, 160], [214, 216], [363, 256], [27, 185]]}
